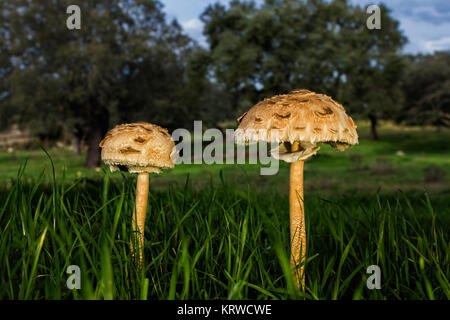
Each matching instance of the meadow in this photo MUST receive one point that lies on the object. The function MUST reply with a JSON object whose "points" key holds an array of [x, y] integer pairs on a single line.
{"points": [[222, 231]]}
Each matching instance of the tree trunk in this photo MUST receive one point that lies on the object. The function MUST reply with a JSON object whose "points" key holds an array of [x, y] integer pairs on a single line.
{"points": [[93, 152], [373, 127], [97, 128], [76, 145]]}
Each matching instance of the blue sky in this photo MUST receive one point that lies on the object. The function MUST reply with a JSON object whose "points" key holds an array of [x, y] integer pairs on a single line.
{"points": [[426, 23]]}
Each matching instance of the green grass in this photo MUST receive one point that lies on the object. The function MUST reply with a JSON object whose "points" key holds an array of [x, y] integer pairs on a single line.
{"points": [[222, 232], [219, 243], [365, 168]]}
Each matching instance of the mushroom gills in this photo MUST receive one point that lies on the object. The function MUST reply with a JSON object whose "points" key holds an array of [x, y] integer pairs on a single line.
{"points": [[118, 168], [144, 169], [135, 169], [340, 146], [283, 151]]}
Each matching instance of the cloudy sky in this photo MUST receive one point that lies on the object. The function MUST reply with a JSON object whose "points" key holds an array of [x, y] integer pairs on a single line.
{"points": [[426, 23]]}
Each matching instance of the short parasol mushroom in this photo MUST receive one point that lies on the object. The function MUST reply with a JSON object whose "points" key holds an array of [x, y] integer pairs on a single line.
{"points": [[140, 148], [297, 121]]}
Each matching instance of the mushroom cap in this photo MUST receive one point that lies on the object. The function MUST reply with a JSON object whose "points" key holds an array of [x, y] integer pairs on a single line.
{"points": [[140, 147], [301, 115]]}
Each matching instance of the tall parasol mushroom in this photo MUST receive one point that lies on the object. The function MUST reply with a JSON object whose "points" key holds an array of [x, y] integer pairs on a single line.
{"points": [[140, 148], [298, 121]]}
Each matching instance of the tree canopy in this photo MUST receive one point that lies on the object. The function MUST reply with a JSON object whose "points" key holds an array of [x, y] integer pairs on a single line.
{"points": [[125, 63], [427, 90], [257, 51], [129, 63]]}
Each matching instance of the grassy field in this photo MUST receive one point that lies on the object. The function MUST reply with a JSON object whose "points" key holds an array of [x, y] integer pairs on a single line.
{"points": [[222, 231], [404, 159]]}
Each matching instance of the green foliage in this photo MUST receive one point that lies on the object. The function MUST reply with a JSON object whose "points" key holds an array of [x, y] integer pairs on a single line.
{"points": [[222, 231], [427, 90], [218, 243], [126, 63], [258, 51], [409, 159]]}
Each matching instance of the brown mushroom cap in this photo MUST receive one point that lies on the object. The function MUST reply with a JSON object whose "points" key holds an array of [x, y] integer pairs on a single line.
{"points": [[300, 115], [140, 147]]}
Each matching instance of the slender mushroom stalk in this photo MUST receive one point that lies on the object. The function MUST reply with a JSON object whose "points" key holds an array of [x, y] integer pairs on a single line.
{"points": [[297, 218], [138, 220], [297, 121], [141, 148]]}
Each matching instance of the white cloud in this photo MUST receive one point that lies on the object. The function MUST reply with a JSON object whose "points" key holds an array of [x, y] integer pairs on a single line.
{"points": [[425, 23], [194, 29], [424, 36], [431, 14], [193, 25], [434, 11], [437, 45]]}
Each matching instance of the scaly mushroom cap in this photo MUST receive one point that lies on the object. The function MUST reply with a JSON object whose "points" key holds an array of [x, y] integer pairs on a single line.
{"points": [[300, 115], [139, 147]]}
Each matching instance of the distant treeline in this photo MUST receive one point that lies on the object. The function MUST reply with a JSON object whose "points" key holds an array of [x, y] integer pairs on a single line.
{"points": [[129, 63]]}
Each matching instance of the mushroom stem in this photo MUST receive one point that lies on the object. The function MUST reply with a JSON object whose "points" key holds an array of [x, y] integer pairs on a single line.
{"points": [[139, 215], [297, 218]]}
